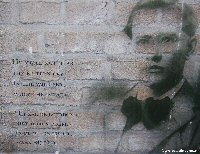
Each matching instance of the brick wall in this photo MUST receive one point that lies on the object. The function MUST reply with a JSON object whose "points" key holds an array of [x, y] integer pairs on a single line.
{"points": [[52, 55]]}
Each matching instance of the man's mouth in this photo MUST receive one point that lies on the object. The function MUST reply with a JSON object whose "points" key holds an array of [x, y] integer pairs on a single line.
{"points": [[156, 69]]}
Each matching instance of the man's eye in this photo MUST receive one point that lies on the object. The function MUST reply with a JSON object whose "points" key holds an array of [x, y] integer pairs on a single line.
{"points": [[167, 39], [144, 40]]}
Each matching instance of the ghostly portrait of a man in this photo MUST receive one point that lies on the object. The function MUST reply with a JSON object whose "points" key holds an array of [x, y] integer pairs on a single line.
{"points": [[175, 101]]}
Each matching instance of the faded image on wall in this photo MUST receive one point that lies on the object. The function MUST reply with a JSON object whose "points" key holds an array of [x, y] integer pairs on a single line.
{"points": [[99, 76]]}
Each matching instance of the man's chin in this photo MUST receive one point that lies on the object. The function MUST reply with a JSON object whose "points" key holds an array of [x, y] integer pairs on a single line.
{"points": [[156, 69], [155, 77]]}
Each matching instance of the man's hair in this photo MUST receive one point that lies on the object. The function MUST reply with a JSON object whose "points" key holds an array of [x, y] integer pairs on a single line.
{"points": [[189, 19]]}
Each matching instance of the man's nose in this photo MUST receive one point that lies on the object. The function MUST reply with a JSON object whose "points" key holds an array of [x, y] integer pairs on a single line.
{"points": [[156, 58]]}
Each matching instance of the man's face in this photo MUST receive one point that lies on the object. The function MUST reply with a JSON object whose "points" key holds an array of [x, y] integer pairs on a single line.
{"points": [[158, 39]]}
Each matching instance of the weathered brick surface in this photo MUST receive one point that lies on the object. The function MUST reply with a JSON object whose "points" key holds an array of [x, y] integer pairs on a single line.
{"points": [[23, 95], [171, 16], [111, 141], [86, 121], [5, 41], [65, 144], [25, 41], [143, 141], [198, 44], [85, 69], [94, 42], [69, 96], [145, 16], [26, 120], [47, 74], [118, 43], [85, 42], [5, 11], [115, 121], [121, 12], [7, 143], [52, 42], [196, 9], [132, 70], [25, 143], [96, 96], [93, 143], [42, 12], [80, 44], [90, 12]]}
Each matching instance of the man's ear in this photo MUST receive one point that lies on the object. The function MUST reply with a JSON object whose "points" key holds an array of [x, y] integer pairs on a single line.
{"points": [[192, 44]]}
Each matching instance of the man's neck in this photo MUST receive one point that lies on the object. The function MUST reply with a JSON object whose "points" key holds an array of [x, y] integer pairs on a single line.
{"points": [[171, 93]]}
